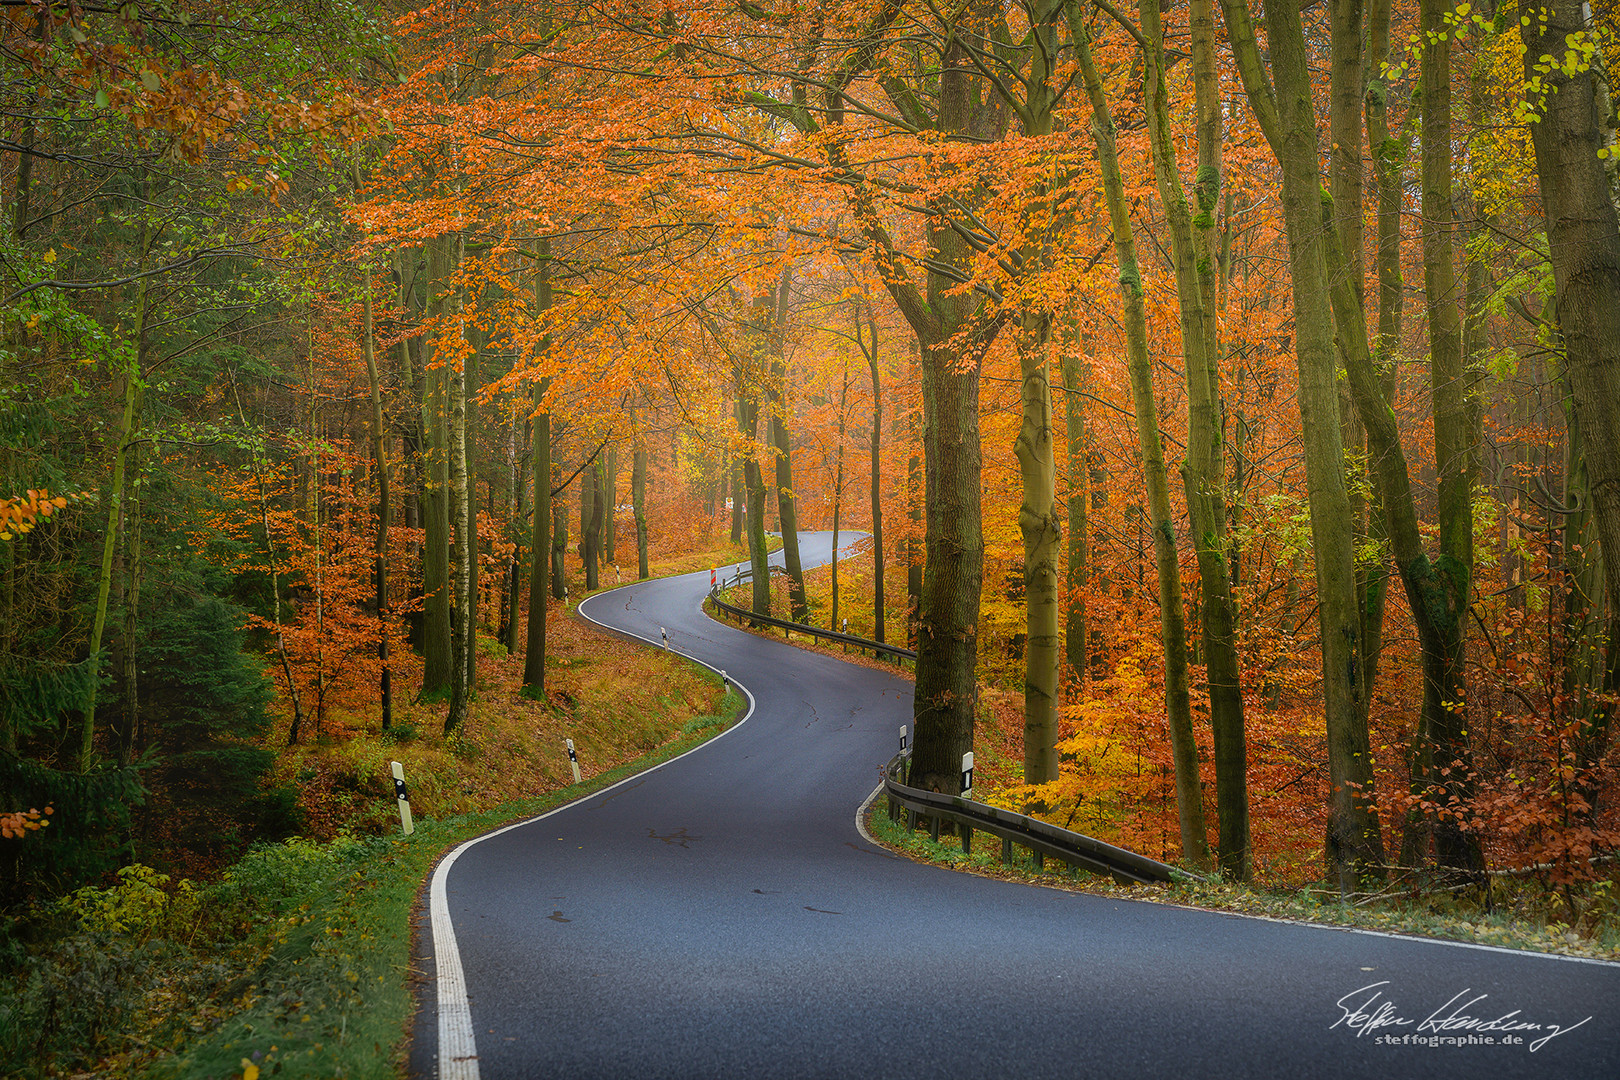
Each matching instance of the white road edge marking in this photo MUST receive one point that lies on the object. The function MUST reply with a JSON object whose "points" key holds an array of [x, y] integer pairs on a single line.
{"points": [[458, 1048], [860, 825]]}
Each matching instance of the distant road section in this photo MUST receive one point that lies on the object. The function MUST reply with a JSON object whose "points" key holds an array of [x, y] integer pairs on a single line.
{"points": [[722, 916]]}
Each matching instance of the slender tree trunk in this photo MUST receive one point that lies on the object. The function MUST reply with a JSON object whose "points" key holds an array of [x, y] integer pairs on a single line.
{"points": [[759, 560], [1445, 688], [436, 586], [463, 630], [1042, 536], [131, 739], [610, 507], [559, 544], [534, 650], [787, 503], [522, 554], [914, 517], [590, 523], [878, 596], [838, 490], [638, 500], [385, 510], [127, 429], [738, 497], [1078, 507], [1204, 471], [467, 597], [1178, 709], [1388, 154]]}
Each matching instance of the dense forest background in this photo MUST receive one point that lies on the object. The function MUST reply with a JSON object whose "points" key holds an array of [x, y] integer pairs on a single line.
{"points": [[1229, 397]]}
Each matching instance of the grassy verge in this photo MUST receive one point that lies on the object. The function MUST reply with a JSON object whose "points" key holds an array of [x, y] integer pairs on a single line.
{"points": [[1518, 914], [330, 995]]}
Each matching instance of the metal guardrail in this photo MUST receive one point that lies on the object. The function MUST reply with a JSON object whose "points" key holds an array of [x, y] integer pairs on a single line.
{"points": [[1039, 836], [740, 614]]}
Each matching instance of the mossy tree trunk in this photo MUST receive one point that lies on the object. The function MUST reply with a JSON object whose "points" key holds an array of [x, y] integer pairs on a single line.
{"points": [[1172, 620]]}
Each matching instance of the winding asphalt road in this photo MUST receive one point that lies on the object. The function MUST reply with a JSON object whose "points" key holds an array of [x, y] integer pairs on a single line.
{"points": [[723, 916]]}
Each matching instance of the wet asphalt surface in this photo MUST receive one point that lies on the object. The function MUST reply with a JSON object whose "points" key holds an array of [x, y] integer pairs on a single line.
{"points": [[722, 916]]}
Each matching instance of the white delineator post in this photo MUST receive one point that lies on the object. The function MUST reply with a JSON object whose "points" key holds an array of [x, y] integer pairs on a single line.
{"points": [[573, 759], [967, 774], [902, 738], [405, 821], [665, 635]]}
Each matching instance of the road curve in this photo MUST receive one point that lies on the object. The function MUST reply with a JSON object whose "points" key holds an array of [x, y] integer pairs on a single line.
{"points": [[722, 916]]}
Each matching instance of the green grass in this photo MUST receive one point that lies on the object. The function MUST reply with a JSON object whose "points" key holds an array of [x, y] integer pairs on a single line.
{"points": [[331, 994]]}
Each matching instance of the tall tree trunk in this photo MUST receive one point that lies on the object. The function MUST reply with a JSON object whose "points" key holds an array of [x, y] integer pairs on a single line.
{"points": [[131, 738], [590, 522], [129, 425], [1445, 687], [754, 481], [385, 510], [878, 597], [436, 585], [1354, 841], [914, 513], [1388, 154], [467, 596], [522, 554], [1172, 619], [462, 631], [610, 506], [534, 649], [774, 311], [1042, 536], [1034, 448], [1583, 239], [559, 543], [638, 500], [838, 491], [1204, 473], [1076, 646], [734, 469]]}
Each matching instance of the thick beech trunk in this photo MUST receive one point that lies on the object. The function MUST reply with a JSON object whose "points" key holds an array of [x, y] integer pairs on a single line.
{"points": [[1583, 239]]}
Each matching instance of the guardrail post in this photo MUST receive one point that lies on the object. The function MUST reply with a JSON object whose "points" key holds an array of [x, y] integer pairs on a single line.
{"points": [[1006, 851], [933, 829], [967, 839]]}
